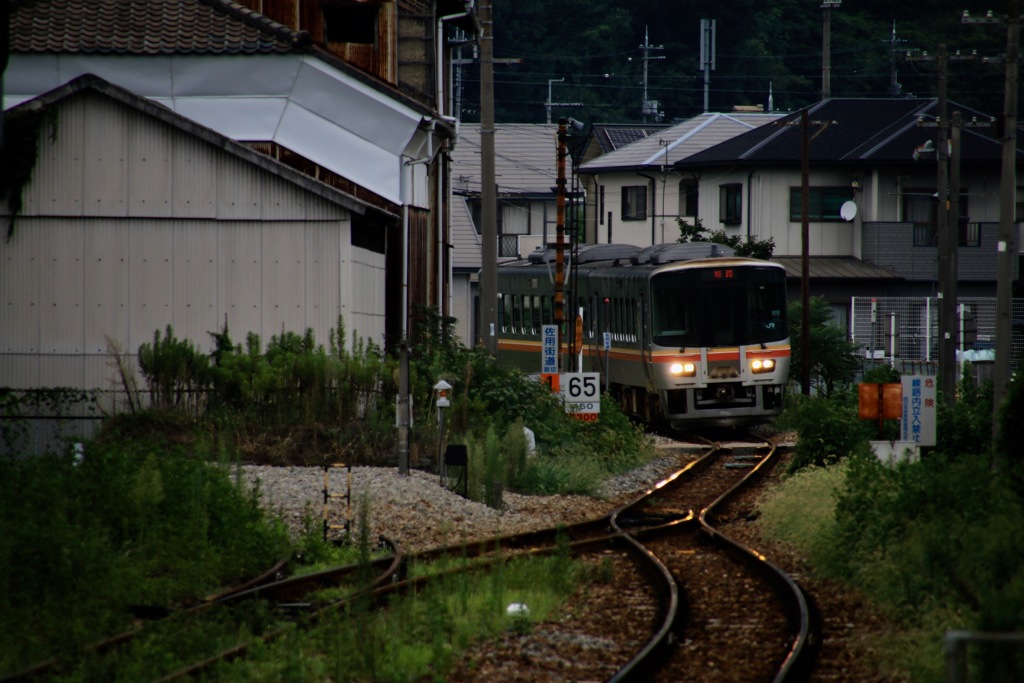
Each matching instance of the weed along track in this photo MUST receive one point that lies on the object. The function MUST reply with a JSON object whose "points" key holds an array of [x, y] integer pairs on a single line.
{"points": [[650, 591], [682, 601], [653, 592]]}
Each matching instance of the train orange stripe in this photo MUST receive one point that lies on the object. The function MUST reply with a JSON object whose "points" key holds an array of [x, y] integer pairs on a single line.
{"points": [[620, 353]]}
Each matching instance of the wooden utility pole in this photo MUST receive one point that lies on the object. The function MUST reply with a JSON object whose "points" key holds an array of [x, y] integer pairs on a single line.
{"points": [[805, 259], [805, 228], [488, 189]]}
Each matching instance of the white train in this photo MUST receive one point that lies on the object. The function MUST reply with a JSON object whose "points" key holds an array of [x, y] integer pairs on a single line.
{"points": [[683, 334]]}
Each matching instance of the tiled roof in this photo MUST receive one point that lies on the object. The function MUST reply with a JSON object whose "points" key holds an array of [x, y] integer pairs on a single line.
{"points": [[859, 130], [524, 158], [141, 27], [668, 146]]}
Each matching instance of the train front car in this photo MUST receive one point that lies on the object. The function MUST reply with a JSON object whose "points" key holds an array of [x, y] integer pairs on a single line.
{"points": [[719, 343]]}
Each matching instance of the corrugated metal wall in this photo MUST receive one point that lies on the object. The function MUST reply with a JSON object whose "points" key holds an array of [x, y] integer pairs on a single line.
{"points": [[130, 225]]}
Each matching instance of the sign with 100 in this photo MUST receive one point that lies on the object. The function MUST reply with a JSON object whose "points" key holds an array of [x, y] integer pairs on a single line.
{"points": [[581, 392]]}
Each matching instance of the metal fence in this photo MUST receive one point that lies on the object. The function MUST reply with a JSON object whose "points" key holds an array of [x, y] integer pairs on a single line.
{"points": [[916, 323]]}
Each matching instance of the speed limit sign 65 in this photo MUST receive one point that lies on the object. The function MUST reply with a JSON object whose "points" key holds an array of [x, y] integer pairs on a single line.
{"points": [[581, 387]]}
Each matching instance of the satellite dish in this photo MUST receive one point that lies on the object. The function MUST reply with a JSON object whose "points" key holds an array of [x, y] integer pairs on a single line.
{"points": [[847, 211]]}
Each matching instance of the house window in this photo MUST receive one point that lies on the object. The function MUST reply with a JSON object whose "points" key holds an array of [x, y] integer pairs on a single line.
{"points": [[970, 233], [919, 208], [688, 197], [823, 203], [730, 203], [634, 203], [476, 212], [350, 22], [600, 200]]}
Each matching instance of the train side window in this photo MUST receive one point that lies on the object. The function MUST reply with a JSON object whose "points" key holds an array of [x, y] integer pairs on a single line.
{"points": [[517, 313], [528, 314], [617, 305], [546, 316], [537, 313], [506, 310]]}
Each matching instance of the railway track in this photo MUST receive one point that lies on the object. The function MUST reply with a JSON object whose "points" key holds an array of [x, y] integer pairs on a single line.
{"points": [[655, 616], [720, 611]]}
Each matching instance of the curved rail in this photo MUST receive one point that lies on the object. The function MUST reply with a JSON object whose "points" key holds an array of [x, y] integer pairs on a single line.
{"points": [[798, 657]]}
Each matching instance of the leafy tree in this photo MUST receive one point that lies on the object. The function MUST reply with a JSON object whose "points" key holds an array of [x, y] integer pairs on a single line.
{"points": [[696, 232], [833, 363]]}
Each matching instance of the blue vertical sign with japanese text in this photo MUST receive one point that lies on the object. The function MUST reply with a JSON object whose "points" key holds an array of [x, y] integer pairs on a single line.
{"points": [[549, 349], [919, 409]]}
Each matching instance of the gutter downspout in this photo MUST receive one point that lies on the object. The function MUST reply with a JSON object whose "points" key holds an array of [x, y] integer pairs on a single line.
{"points": [[750, 201], [406, 192]]}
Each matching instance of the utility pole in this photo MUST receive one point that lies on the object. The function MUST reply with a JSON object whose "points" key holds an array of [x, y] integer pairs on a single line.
{"points": [[560, 237], [947, 226], [488, 190], [707, 55], [549, 103], [894, 85], [806, 138], [649, 107], [826, 47], [946, 245], [1006, 245]]}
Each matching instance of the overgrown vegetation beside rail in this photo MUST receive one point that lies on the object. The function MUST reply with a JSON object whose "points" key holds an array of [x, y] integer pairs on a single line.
{"points": [[936, 545], [151, 514], [85, 543]]}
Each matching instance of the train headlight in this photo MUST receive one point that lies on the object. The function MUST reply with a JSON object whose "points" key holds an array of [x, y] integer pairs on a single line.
{"points": [[762, 365], [683, 369]]}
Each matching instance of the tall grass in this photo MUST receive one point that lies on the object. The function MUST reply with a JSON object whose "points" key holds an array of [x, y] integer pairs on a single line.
{"points": [[935, 544], [133, 524]]}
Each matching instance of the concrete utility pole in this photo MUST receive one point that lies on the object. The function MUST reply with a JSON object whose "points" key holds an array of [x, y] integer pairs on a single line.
{"points": [[488, 189], [826, 47], [707, 55], [1007, 244], [649, 107], [947, 245]]}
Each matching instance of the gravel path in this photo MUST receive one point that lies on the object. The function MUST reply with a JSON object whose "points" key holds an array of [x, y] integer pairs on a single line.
{"points": [[418, 513]]}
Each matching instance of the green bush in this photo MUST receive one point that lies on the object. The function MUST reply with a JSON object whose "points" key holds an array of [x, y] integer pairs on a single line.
{"points": [[133, 524], [829, 430]]}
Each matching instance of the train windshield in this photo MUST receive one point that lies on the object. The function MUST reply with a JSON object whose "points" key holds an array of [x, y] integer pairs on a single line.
{"points": [[719, 306]]}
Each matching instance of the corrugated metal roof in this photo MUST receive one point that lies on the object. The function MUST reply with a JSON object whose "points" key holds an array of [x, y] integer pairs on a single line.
{"points": [[680, 141], [834, 267], [147, 27], [524, 158]]}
